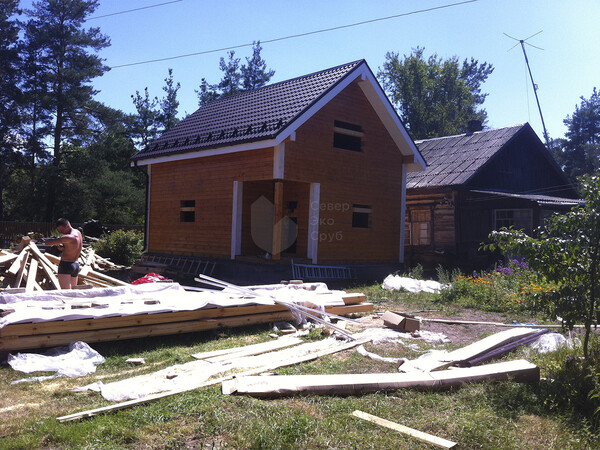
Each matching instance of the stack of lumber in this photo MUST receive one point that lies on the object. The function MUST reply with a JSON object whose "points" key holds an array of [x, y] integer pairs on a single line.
{"points": [[32, 270], [118, 326]]}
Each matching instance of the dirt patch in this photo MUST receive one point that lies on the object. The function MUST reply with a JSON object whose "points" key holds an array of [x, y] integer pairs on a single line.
{"points": [[458, 334]]}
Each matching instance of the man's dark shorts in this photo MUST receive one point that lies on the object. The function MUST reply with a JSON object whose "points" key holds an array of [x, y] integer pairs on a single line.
{"points": [[68, 268]]}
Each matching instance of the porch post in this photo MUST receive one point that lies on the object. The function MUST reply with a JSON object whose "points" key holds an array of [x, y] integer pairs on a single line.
{"points": [[236, 219], [313, 221], [277, 220], [402, 214]]}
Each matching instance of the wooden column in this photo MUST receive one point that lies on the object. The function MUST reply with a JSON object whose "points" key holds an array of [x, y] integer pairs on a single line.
{"points": [[402, 214], [277, 219]]}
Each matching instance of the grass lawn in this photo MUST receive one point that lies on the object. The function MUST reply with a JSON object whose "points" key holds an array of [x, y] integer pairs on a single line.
{"points": [[504, 415]]}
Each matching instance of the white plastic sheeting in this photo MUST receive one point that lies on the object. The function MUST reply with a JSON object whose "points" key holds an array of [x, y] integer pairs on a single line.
{"points": [[396, 282], [76, 360]]}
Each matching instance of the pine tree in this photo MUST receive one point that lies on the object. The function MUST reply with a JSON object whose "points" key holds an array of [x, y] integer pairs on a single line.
{"points": [[66, 53], [10, 94], [236, 78]]}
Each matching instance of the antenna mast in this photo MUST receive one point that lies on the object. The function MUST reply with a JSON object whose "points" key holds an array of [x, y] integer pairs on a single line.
{"points": [[522, 42]]}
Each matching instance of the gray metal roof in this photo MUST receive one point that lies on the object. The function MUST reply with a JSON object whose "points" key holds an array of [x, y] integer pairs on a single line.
{"points": [[249, 116], [453, 160]]}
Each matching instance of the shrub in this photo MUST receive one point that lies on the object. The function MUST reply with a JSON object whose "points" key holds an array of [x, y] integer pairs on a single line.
{"points": [[121, 247], [511, 287]]}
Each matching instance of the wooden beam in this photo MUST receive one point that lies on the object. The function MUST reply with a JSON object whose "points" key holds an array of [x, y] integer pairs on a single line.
{"points": [[420, 435], [353, 384], [91, 324], [277, 220], [31, 275]]}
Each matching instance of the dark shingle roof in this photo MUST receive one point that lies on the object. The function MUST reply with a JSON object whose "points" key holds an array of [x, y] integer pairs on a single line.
{"points": [[453, 160], [255, 115]]}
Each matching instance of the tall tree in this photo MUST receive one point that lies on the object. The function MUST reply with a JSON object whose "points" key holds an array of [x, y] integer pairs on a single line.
{"points": [[167, 117], [579, 152], [255, 73], [145, 126], [67, 56], [236, 78], [10, 94], [435, 97]]}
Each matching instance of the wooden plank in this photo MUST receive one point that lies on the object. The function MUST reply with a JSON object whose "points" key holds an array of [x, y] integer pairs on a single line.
{"points": [[420, 435], [6, 258], [66, 326], [48, 267], [19, 276], [353, 298], [353, 384], [247, 350], [44, 340], [129, 403], [18, 263], [103, 277], [485, 345], [31, 275]]}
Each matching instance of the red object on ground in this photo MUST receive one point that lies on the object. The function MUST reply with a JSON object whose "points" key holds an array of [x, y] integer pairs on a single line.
{"points": [[150, 278]]}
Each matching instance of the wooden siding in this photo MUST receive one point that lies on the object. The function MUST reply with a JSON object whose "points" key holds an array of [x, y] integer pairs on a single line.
{"points": [[208, 181], [440, 208], [371, 177]]}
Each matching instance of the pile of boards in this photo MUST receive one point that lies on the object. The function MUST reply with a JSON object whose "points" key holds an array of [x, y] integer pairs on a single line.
{"points": [[90, 319], [31, 270]]}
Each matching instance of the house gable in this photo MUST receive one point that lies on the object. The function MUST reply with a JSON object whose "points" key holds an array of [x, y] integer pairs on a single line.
{"points": [[523, 165], [268, 116]]}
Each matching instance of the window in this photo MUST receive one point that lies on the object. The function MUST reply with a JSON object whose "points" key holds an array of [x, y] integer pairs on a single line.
{"points": [[347, 136], [361, 216], [418, 228], [518, 218], [187, 211]]}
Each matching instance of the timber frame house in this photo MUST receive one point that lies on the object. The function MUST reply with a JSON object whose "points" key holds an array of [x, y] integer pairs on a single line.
{"points": [[475, 183], [313, 168]]}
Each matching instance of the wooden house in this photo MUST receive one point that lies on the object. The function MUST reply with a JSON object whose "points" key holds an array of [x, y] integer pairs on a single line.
{"points": [[313, 168], [475, 183]]}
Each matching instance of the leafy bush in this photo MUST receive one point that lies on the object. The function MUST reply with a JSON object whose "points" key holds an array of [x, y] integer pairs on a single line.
{"points": [[511, 287], [121, 247], [445, 276]]}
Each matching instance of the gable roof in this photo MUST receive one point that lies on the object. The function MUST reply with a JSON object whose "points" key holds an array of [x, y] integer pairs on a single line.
{"points": [[453, 160], [267, 116]]}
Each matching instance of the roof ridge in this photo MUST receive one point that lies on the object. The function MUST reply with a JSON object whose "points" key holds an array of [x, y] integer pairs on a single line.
{"points": [[488, 130], [290, 80]]}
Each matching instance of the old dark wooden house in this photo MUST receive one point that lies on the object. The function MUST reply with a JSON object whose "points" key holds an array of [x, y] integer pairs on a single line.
{"points": [[312, 168], [475, 183]]}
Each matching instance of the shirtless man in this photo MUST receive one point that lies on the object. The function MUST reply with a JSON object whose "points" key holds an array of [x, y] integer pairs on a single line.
{"points": [[71, 243]]}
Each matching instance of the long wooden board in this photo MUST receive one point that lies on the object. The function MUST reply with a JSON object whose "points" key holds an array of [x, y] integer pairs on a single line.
{"points": [[14, 342], [351, 384], [420, 435], [66, 326]]}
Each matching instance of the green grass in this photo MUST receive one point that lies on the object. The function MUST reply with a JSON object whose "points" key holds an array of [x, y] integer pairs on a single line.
{"points": [[505, 415]]}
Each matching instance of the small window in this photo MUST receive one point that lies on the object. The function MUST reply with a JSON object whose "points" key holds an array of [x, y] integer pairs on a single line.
{"points": [[520, 219], [347, 136], [418, 228], [361, 216], [187, 211]]}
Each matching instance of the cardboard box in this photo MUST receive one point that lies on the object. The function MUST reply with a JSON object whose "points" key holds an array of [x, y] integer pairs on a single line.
{"points": [[401, 322]]}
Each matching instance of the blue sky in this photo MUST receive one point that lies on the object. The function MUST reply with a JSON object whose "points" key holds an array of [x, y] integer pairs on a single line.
{"points": [[567, 68]]}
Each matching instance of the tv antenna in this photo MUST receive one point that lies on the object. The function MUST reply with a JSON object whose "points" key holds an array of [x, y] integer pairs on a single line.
{"points": [[522, 42]]}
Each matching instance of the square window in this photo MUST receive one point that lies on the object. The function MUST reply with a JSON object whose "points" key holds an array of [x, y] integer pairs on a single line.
{"points": [[187, 211], [361, 216]]}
